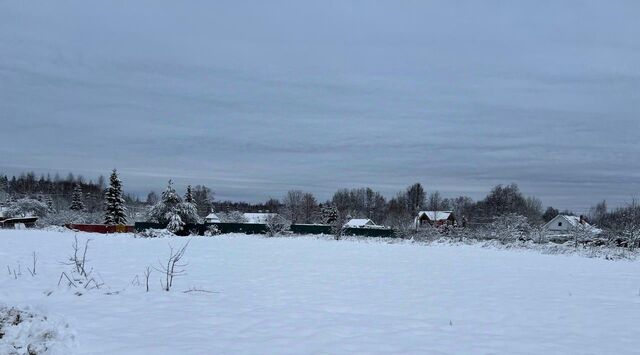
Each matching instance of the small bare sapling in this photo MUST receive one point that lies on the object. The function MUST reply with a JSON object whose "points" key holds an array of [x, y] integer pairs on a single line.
{"points": [[32, 271], [172, 267]]}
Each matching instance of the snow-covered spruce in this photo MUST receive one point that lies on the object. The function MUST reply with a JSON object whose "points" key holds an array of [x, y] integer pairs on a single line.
{"points": [[76, 199], [115, 211], [173, 211]]}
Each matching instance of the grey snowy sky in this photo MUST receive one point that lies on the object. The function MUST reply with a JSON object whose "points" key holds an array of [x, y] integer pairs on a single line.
{"points": [[255, 98]]}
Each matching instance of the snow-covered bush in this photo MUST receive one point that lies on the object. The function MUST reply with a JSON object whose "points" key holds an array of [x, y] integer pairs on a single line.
{"points": [[63, 217], [508, 228], [427, 234], [277, 224], [25, 332], [460, 234], [232, 217], [27, 207], [155, 233], [211, 231], [538, 235], [631, 234], [581, 233]]}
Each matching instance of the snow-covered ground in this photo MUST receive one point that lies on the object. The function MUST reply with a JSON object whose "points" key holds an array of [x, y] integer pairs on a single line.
{"points": [[318, 296]]}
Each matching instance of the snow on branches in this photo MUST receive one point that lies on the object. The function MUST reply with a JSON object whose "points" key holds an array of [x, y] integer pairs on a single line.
{"points": [[173, 211]]}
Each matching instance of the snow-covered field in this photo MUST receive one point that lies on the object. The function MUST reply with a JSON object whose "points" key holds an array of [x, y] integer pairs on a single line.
{"points": [[318, 296]]}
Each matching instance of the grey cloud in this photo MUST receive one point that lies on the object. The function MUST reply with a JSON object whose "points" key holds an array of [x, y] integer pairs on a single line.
{"points": [[254, 98]]}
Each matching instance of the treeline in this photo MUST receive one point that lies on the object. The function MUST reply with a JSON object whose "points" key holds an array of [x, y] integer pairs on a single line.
{"points": [[297, 206], [57, 192], [400, 211]]}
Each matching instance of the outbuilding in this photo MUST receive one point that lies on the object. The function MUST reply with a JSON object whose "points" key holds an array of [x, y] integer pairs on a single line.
{"points": [[360, 223], [212, 218]]}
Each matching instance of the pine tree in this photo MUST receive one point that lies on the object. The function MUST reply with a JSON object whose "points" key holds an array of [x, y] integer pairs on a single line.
{"points": [[115, 211], [329, 214], [76, 202], [167, 204], [172, 208], [188, 197], [49, 201]]}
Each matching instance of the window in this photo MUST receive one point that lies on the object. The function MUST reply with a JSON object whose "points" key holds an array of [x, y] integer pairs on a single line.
{"points": [[559, 224]]}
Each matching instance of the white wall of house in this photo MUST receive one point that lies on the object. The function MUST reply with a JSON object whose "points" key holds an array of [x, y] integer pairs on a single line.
{"points": [[563, 224], [558, 224]]}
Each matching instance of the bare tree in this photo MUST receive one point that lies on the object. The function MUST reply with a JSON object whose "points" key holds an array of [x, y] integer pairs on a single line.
{"points": [[76, 260], [203, 197], [581, 233], [435, 202], [509, 228], [309, 207], [80, 275], [293, 205], [415, 198], [172, 268], [32, 271], [147, 273]]}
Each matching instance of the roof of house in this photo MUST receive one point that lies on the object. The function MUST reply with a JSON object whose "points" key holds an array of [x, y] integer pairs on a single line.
{"points": [[436, 215], [258, 218], [212, 216], [359, 222]]}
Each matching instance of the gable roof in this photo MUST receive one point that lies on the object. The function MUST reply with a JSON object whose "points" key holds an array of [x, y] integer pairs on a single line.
{"points": [[212, 216], [435, 215], [359, 222]]}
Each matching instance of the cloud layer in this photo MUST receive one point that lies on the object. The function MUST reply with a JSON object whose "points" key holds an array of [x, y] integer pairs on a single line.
{"points": [[255, 98]]}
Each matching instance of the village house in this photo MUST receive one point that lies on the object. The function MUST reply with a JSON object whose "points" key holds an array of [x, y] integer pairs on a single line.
{"points": [[359, 223], [564, 224], [362, 223], [435, 218]]}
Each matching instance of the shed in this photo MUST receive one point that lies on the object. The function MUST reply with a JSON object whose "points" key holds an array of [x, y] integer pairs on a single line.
{"points": [[18, 222]]}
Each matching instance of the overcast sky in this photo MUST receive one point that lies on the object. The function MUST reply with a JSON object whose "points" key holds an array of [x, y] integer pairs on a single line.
{"points": [[255, 98]]}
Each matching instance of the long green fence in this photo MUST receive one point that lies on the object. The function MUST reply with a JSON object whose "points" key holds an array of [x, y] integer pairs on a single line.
{"points": [[256, 228]]}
